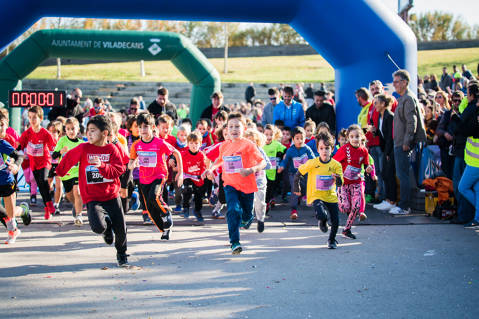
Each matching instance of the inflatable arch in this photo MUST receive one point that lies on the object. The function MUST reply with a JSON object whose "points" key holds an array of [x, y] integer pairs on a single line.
{"points": [[359, 38], [114, 45]]}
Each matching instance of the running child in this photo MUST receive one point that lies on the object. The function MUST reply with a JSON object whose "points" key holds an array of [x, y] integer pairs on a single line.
{"points": [[352, 156], [322, 127], [151, 154], [296, 155], [70, 180], [207, 139], [241, 159], [39, 142], [275, 152], [56, 130], [324, 174], [309, 128], [101, 164], [194, 166]]}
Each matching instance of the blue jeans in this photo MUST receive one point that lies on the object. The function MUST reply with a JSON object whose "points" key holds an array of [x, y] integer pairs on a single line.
{"points": [[402, 161], [469, 187], [465, 211], [240, 207], [377, 156]]}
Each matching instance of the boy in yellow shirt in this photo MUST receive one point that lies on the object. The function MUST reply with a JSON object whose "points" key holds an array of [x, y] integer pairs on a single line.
{"points": [[324, 175]]}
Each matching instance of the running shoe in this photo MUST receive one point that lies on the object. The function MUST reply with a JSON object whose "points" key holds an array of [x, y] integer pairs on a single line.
{"points": [[323, 225], [260, 226], [135, 198], [348, 234], [247, 224], [472, 223], [213, 199], [178, 209], [108, 234], [332, 243], [122, 260], [199, 216], [146, 219], [236, 248], [384, 205], [186, 212], [26, 216], [398, 211], [57, 212], [362, 216], [33, 200], [47, 213], [78, 221], [294, 214], [167, 220], [12, 236], [272, 203], [166, 234]]}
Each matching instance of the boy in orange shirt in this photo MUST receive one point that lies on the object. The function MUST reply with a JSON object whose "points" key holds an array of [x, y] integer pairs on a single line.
{"points": [[241, 159]]}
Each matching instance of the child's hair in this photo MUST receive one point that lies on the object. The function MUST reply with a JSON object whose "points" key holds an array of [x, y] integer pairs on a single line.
{"points": [[164, 119], [129, 122], [238, 116], [322, 125], [309, 123], [219, 133], [251, 125], [115, 121], [258, 137], [354, 127], [279, 123], [186, 121], [194, 137], [36, 110], [222, 115], [4, 111], [145, 118], [343, 133], [102, 122], [326, 137], [298, 130], [57, 125], [3, 117], [201, 122], [62, 119], [184, 128], [277, 134], [72, 121], [383, 98], [98, 100]]}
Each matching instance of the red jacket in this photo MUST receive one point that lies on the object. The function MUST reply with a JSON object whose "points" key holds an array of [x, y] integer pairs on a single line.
{"points": [[193, 166], [96, 184], [373, 119]]}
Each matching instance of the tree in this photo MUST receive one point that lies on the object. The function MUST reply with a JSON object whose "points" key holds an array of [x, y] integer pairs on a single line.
{"points": [[440, 26]]}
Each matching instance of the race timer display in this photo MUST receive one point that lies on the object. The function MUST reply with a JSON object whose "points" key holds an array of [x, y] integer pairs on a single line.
{"points": [[42, 98]]}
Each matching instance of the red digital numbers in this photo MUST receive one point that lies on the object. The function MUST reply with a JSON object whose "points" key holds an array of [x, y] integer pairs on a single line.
{"points": [[42, 99]]}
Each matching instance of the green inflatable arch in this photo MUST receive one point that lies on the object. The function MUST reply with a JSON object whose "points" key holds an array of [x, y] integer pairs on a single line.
{"points": [[112, 45]]}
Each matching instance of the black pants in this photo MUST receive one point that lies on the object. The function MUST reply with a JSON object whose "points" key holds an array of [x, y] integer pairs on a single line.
{"points": [[155, 204], [97, 211], [41, 177], [190, 189], [270, 189], [389, 177], [322, 208], [447, 162], [221, 190]]}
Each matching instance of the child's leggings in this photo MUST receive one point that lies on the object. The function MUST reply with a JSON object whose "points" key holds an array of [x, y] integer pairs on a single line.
{"points": [[350, 202], [30, 179]]}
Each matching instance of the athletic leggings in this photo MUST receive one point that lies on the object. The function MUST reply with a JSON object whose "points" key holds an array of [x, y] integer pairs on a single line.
{"points": [[271, 187], [322, 209], [41, 177], [190, 189], [155, 205], [100, 214], [350, 199]]}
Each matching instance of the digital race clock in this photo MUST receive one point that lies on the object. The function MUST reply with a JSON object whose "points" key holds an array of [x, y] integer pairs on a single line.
{"points": [[43, 98]]}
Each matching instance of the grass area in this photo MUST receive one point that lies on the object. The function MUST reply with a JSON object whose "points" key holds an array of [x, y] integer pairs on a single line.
{"points": [[309, 68]]}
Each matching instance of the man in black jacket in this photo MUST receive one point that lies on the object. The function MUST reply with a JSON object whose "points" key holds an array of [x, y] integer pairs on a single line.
{"points": [[322, 111], [215, 106], [162, 105], [72, 107]]}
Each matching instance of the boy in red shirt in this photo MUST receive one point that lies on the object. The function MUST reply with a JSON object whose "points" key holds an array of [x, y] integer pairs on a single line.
{"points": [[194, 165], [39, 142], [241, 159], [151, 154], [100, 166]]}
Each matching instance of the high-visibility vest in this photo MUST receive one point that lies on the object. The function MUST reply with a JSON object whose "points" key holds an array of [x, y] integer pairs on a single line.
{"points": [[471, 152]]}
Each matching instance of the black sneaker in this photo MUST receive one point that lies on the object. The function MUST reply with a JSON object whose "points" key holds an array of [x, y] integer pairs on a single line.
{"points": [[33, 200], [167, 220], [108, 234], [349, 234], [199, 216], [122, 260], [26, 216], [260, 226], [166, 234], [332, 243], [323, 225], [236, 249]]}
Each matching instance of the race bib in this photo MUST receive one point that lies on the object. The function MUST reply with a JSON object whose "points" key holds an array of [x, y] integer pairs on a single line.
{"points": [[232, 164], [34, 149], [93, 176], [192, 177], [298, 161], [147, 159], [352, 173], [274, 162], [324, 182]]}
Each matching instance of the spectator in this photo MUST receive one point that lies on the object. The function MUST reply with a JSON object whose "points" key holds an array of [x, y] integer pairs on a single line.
{"points": [[72, 107], [446, 81], [98, 107], [442, 104], [430, 122], [322, 111], [162, 105], [426, 83], [250, 93], [134, 106], [408, 133], [268, 109], [364, 101], [376, 87], [434, 85], [289, 111], [444, 135], [309, 94], [215, 106]]}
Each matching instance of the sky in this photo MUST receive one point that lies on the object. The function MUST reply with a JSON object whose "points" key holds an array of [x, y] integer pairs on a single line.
{"points": [[468, 9]]}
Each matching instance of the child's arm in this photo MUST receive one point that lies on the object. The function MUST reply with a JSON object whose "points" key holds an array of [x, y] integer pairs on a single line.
{"points": [[284, 162], [179, 161], [69, 160], [248, 171]]}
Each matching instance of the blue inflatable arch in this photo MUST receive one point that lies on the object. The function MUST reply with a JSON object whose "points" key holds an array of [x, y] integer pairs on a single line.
{"points": [[354, 36]]}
